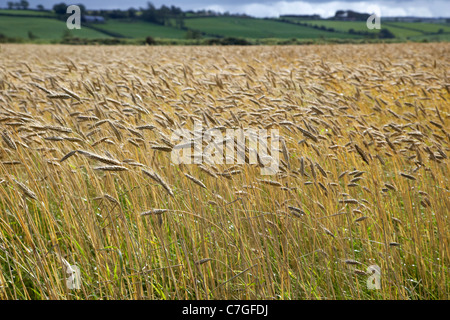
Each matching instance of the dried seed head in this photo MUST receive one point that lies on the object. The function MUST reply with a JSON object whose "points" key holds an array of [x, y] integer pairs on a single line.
{"points": [[26, 190], [159, 180], [9, 142], [153, 211], [111, 168], [352, 262], [196, 181]]}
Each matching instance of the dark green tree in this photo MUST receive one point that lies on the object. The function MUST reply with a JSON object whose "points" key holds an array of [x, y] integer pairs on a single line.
{"points": [[24, 4], [164, 14], [31, 35], [179, 21], [132, 13], [82, 8], [386, 34], [150, 40], [193, 34], [60, 8], [150, 13]]}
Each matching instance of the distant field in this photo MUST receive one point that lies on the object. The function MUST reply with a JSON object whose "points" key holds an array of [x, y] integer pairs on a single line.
{"points": [[27, 12], [18, 23], [422, 27], [257, 28], [432, 38], [399, 29], [43, 28], [53, 29], [345, 26], [401, 32], [138, 29], [342, 26]]}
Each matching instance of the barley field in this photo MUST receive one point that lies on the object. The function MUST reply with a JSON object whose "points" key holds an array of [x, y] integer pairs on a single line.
{"points": [[87, 180]]}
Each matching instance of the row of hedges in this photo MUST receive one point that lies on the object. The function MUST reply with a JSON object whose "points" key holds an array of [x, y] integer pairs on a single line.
{"points": [[197, 42]]}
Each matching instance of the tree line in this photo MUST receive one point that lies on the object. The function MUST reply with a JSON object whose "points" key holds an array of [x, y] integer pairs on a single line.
{"points": [[21, 5]]}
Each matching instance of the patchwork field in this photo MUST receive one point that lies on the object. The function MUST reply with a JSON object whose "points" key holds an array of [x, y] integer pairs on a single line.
{"points": [[142, 29], [401, 30], [358, 208], [43, 29], [20, 26], [259, 28]]}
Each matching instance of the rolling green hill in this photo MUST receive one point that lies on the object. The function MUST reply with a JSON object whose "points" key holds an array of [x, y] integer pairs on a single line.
{"points": [[257, 28], [421, 26], [32, 13], [342, 26], [139, 29], [43, 28], [432, 38], [399, 29]]}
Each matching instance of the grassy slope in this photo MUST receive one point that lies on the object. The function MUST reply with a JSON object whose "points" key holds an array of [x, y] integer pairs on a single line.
{"points": [[43, 28], [361, 26], [399, 29], [402, 32], [142, 29], [432, 38], [256, 28], [27, 12], [343, 26], [423, 27], [49, 29]]}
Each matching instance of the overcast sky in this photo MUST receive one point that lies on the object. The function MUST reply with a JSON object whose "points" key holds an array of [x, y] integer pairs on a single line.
{"points": [[273, 8]]}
